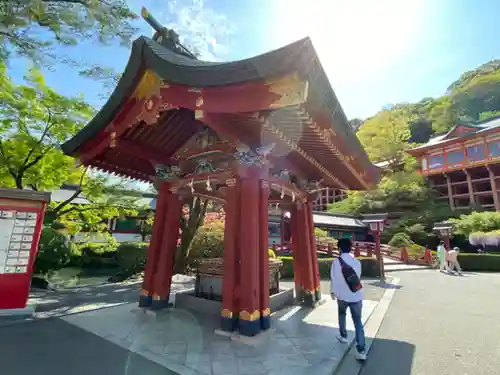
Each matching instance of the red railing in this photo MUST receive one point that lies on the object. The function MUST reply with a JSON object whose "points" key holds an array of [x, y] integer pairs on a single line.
{"points": [[367, 249]]}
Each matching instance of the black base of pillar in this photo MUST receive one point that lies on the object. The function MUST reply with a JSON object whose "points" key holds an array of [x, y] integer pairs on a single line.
{"points": [[159, 304], [308, 300], [249, 327], [265, 322], [229, 324], [145, 301]]}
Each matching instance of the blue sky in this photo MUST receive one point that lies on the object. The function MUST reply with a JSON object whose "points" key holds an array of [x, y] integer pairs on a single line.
{"points": [[374, 52]]}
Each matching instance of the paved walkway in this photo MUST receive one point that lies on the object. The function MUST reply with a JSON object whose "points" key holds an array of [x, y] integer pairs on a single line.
{"points": [[437, 324], [113, 340]]}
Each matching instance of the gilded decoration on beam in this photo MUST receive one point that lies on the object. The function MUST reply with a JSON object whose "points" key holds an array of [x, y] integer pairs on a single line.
{"points": [[226, 314], [112, 140], [148, 86], [245, 315], [231, 182], [198, 114], [151, 111], [291, 89], [167, 172]]}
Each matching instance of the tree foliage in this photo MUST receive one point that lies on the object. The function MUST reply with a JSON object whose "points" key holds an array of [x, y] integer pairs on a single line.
{"points": [[475, 96], [31, 28], [34, 121], [476, 222]]}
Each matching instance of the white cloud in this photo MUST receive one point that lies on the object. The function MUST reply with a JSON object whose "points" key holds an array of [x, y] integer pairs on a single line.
{"points": [[201, 28]]}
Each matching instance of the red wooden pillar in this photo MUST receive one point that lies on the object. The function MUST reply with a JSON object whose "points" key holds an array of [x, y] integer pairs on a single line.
{"points": [[249, 244], [145, 298], [265, 311], [313, 253], [306, 255], [297, 263], [163, 277], [229, 313]]}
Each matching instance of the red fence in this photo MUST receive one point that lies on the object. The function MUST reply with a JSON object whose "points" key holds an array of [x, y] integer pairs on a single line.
{"points": [[367, 249]]}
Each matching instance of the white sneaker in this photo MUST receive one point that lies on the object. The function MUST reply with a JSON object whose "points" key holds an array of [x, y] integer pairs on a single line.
{"points": [[361, 356], [342, 339]]}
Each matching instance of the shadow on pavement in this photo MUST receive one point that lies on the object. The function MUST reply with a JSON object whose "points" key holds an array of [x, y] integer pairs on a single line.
{"points": [[389, 357], [55, 347], [385, 285]]}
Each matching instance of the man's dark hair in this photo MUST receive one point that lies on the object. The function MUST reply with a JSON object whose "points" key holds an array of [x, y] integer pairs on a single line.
{"points": [[345, 245]]}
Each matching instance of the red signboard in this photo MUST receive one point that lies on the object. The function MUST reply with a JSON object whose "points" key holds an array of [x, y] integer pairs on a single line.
{"points": [[21, 220]]}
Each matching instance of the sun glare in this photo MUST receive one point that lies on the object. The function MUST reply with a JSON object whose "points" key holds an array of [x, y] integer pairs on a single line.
{"points": [[350, 35]]}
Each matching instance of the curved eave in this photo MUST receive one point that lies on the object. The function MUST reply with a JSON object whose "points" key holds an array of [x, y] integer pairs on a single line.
{"points": [[298, 57]]}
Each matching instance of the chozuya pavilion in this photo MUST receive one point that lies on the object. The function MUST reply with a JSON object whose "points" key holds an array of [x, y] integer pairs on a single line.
{"points": [[253, 133]]}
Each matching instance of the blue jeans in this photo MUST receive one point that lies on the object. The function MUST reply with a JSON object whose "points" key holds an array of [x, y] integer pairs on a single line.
{"points": [[355, 308]]}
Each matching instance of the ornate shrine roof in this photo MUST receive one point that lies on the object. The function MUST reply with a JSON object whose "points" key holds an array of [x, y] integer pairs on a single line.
{"points": [[460, 133], [163, 99]]}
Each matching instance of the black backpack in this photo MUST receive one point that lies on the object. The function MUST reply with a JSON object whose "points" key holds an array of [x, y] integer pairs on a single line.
{"points": [[350, 276]]}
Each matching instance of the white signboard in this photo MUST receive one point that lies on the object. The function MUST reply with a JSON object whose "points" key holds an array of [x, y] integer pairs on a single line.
{"points": [[16, 239]]}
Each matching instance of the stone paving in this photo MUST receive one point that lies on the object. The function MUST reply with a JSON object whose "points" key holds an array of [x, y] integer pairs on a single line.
{"points": [[302, 341]]}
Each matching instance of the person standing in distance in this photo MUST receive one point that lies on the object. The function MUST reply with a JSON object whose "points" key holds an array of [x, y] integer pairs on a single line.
{"points": [[442, 255], [347, 289]]}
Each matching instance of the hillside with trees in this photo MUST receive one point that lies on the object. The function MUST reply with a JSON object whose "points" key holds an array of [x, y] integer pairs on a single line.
{"points": [[389, 133]]}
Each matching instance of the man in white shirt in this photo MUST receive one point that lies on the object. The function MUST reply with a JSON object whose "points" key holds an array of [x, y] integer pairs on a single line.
{"points": [[348, 299]]}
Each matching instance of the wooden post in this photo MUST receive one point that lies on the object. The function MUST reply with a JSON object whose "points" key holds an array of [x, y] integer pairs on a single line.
{"points": [[312, 251], [145, 298], [494, 191], [470, 188], [357, 251], [297, 256], [450, 192], [249, 315], [265, 311], [306, 252], [163, 277], [229, 313]]}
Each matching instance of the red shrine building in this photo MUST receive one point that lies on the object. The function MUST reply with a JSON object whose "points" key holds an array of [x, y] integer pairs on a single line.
{"points": [[252, 134], [463, 165]]}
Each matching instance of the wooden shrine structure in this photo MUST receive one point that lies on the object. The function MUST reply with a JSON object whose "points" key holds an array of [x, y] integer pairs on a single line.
{"points": [[463, 165], [263, 131]]}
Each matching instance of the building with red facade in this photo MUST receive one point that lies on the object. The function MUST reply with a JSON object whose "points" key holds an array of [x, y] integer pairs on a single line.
{"points": [[463, 165]]}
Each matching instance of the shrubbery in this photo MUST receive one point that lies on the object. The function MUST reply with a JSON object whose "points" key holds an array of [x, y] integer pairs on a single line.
{"points": [[369, 268], [479, 262], [208, 241], [401, 239], [54, 251]]}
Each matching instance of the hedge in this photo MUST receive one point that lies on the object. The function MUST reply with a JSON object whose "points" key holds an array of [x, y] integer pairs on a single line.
{"points": [[479, 262], [369, 267]]}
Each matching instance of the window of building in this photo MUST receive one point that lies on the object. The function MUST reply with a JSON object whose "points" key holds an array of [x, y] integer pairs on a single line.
{"points": [[274, 229], [128, 225], [436, 161], [476, 152], [424, 163], [494, 148], [455, 157]]}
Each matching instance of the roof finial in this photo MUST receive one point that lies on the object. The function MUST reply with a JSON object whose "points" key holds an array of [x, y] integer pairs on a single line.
{"points": [[168, 38]]}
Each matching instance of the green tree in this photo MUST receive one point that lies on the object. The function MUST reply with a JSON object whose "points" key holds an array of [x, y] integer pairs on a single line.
{"points": [[34, 121], [69, 21], [32, 28], [192, 219], [385, 136]]}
